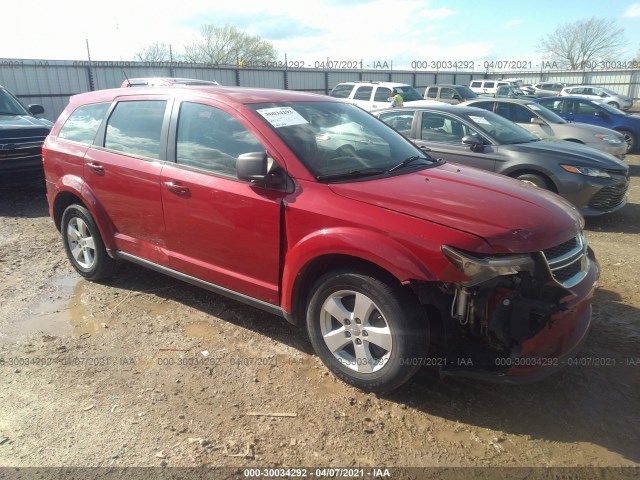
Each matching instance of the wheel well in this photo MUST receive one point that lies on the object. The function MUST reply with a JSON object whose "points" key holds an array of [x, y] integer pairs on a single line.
{"points": [[62, 201], [517, 173], [573, 140], [324, 264]]}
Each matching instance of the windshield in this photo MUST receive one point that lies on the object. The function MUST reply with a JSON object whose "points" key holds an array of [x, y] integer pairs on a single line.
{"points": [[466, 92], [335, 139], [9, 105], [409, 94], [609, 108], [503, 131], [547, 114], [610, 92]]}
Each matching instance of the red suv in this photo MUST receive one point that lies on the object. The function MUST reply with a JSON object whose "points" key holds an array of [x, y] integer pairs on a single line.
{"points": [[313, 209]]}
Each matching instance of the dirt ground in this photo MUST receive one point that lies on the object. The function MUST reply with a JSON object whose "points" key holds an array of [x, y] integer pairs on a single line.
{"points": [[143, 370]]}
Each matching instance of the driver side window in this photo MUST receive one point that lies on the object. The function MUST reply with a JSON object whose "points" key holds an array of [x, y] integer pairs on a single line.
{"points": [[211, 139]]}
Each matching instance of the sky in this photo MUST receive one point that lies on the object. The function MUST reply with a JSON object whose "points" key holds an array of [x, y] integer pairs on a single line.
{"points": [[371, 31]]}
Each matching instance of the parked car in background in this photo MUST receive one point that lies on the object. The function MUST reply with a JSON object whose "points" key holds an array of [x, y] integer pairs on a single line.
{"points": [[21, 137], [510, 91], [310, 208], [528, 90], [488, 87], [164, 82], [545, 89], [452, 94], [373, 95], [593, 112], [546, 124], [616, 100], [595, 182]]}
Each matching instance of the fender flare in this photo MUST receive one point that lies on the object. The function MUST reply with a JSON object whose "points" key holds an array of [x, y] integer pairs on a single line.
{"points": [[77, 186], [373, 247]]}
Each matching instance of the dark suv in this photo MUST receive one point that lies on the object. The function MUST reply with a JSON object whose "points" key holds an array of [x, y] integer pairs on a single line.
{"points": [[311, 208], [21, 138]]}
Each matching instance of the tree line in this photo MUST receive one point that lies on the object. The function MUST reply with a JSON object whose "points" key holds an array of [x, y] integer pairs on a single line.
{"points": [[571, 46]]}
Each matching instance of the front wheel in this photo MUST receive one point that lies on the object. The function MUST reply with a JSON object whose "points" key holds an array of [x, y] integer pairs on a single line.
{"points": [[535, 180], [630, 138], [368, 333], [83, 244], [614, 104]]}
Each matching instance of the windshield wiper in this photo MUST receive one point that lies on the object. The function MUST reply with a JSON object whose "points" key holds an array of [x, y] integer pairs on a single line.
{"points": [[406, 162], [365, 172]]}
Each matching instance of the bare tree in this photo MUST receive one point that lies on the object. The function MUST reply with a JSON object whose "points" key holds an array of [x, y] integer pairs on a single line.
{"points": [[576, 44], [156, 52], [229, 45]]}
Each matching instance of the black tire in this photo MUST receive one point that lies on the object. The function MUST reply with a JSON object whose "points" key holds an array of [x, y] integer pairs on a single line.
{"points": [[614, 104], [630, 138], [392, 316], [83, 244], [536, 180]]}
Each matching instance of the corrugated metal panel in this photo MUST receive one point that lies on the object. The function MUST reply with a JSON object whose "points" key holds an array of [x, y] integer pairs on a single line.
{"points": [[262, 78], [221, 75], [445, 78], [341, 77], [402, 78], [306, 80]]}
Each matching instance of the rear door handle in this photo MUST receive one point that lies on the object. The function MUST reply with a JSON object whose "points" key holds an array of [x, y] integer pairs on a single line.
{"points": [[96, 168], [177, 188]]}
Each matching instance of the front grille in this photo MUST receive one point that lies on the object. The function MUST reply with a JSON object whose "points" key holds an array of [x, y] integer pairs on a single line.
{"points": [[21, 148], [568, 262], [609, 197]]}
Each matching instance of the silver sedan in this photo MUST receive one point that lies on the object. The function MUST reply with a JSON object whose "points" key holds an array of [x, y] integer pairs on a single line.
{"points": [[548, 125]]}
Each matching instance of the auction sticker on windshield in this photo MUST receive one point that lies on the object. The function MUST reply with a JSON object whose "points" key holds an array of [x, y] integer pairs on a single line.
{"points": [[282, 116], [479, 120]]}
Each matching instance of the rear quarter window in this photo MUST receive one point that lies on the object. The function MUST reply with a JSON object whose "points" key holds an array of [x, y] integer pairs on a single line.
{"points": [[83, 124]]}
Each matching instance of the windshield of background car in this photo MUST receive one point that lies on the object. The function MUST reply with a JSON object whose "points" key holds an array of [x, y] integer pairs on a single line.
{"points": [[9, 105], [547, 114], [610, 92], [466, 92], [409, 94], [503, 131], [332, 139], [609, 108]]}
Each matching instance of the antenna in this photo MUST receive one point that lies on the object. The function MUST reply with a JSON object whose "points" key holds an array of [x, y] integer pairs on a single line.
{"points": [[126, 78]]}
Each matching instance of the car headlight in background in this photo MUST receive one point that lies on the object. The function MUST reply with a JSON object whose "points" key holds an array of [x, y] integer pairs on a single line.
{"points": [[609, 138], [588, 171]]}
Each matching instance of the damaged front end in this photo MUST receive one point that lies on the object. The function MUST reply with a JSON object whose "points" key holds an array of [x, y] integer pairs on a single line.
{"points": [[502, 319]]}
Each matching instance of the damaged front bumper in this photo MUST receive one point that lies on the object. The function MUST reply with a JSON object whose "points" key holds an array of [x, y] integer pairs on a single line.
{"points": [[519, 318]]}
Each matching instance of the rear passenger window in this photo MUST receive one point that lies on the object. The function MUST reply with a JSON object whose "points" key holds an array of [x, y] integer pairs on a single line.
{"points": [[211, 139], [382, 94], [82, 125], [135, 126], [341, 91], [432, 92], [363, 93]]}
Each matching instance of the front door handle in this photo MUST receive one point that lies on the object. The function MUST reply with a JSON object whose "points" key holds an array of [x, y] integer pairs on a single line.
{"points": [[96, 168], [177, 188]]}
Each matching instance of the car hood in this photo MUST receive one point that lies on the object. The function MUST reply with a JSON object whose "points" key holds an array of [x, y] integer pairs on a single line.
{"points": [[588, 128], [19, 125], [569, 152], [509, 215]]}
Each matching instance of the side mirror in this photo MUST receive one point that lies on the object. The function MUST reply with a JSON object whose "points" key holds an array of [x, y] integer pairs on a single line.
{"points": [[253, 167], [537, 121], [600, 114], [474, 142], [36, 109]]}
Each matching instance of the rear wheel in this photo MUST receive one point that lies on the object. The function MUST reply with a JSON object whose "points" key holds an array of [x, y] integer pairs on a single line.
{"points": [[630, 138], [366, 331], [83, 244], [535, 180]]}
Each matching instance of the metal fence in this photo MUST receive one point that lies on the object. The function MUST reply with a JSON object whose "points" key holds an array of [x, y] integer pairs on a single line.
{"points": [[50, 83]]}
